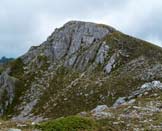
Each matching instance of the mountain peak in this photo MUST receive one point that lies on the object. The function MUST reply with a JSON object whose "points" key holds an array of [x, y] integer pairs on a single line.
{"points": [[84, 23], [69, 39], [81, 65]]}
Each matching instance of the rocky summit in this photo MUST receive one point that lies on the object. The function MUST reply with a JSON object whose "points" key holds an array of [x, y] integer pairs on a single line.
{"points": [[88, 69]]}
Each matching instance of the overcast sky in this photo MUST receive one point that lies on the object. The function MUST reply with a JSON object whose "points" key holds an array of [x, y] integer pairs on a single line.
{"points": [[24, 23]]}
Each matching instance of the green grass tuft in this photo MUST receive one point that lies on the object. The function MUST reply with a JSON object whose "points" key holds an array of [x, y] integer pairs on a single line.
{"points": [[71, 123]]}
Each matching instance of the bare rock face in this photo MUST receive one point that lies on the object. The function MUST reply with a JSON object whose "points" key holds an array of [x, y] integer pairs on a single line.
{"points": [[100, 112], [73, 39], [111, 63], [143, 90], [7, 93]]}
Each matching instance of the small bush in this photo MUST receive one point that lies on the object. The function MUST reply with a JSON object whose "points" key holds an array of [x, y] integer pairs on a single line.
{"points": [[70, 123], [17, 68], [1, 70]]}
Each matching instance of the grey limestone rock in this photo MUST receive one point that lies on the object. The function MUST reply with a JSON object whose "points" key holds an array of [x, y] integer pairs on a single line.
{"points": [[12, 129], [99, 108], [71, 40], [102, 53], [144, 89], [119, 101], [111, 63], [100, 112], [7, 87]]}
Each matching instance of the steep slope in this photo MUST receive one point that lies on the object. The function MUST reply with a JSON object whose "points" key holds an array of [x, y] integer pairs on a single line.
{"points": [[79, 66]]}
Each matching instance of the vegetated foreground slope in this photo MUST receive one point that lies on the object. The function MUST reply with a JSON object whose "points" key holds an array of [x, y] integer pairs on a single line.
{"points": [[81, 65]]}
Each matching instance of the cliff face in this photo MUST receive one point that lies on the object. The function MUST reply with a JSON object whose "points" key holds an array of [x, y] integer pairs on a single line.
{"points": [[7, 85], [79, 66], [75, 44]]}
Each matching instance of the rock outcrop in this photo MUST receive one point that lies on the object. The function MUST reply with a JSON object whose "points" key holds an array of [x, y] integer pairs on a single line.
{"points": [[7, 91], [135, 112], [143, 90], [69, 42]]}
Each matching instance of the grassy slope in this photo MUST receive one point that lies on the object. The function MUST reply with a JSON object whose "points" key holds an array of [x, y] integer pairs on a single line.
{"points": [[92, 89], [95, 88]]}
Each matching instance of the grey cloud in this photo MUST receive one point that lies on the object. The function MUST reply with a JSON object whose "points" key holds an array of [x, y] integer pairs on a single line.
{"points": [[26, 23]]}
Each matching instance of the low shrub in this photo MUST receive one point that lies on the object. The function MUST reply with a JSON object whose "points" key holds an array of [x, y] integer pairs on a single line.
{"points": [[70, 123]]}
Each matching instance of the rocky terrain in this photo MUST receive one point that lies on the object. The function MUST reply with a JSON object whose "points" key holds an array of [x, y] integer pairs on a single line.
{"points": [[81, 68], [140, 111]]}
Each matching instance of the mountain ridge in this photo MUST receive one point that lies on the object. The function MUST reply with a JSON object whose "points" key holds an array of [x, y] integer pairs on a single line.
{"points": [[81, 65]]}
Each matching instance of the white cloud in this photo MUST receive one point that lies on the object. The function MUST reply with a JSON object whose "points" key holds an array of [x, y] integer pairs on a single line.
{"points": [[26, 23]]}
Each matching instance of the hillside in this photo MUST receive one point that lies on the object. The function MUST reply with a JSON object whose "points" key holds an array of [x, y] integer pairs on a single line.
{"points": [[81, 65]]}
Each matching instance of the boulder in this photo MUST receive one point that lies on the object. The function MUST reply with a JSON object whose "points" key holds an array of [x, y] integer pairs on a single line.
{"points": [[99, 108], [119, 101], [12, 129]]}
